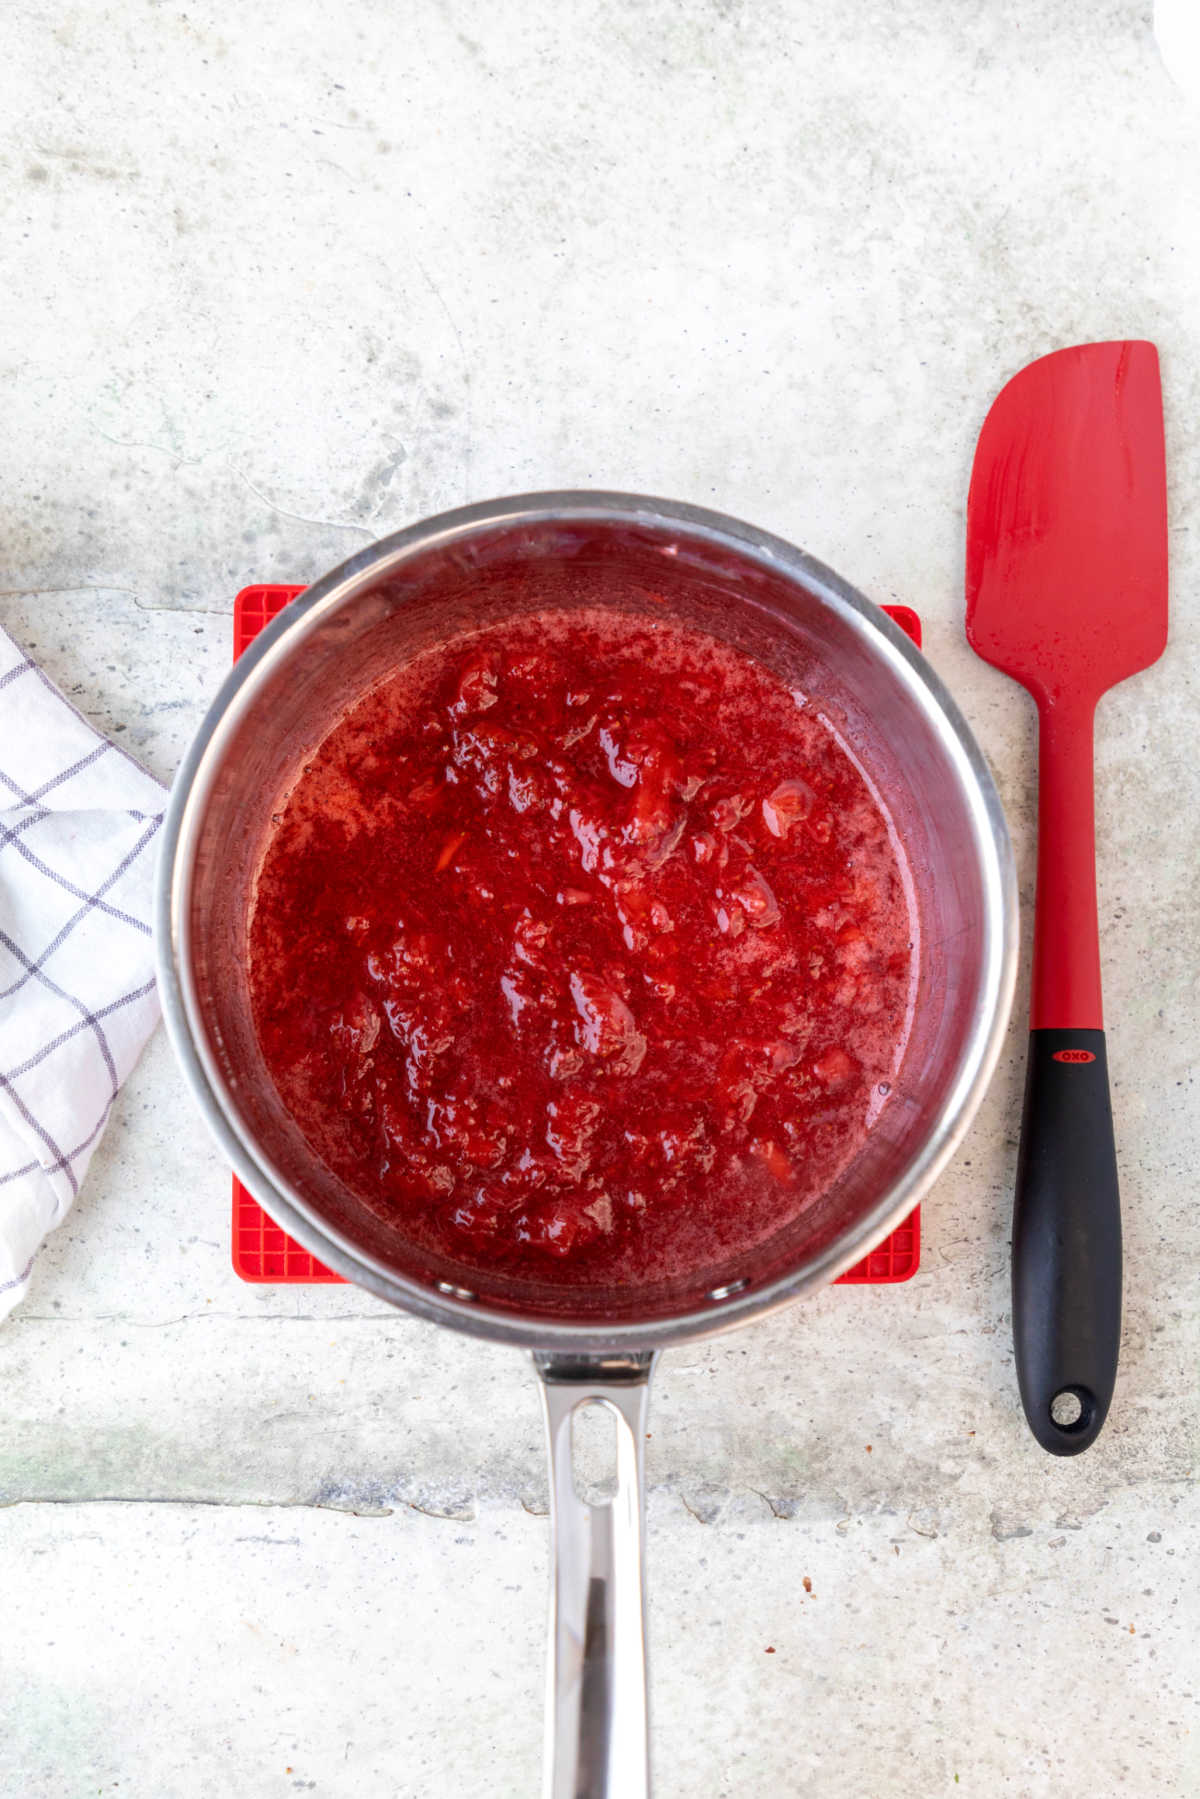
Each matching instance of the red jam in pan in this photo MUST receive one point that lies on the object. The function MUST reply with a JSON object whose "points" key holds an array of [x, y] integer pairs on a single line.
{"points": [[582, 948]]}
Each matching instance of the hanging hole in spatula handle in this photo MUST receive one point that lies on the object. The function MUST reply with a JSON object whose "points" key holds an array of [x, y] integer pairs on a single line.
{"points": [[1072, 1410]]}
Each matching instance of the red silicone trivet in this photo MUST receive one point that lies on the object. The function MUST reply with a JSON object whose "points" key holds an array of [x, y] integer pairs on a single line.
{"points": [[262, 1252]]}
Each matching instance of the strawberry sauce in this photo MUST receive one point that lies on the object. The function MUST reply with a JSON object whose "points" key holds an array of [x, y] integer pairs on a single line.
{"points": [[582, 949]]}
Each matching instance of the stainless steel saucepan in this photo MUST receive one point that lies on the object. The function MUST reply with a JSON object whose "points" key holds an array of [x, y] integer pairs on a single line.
{"points": [[763, 596]]}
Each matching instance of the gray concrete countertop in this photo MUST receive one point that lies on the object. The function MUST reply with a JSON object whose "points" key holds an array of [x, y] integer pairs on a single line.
{"points": [[276, 281]]}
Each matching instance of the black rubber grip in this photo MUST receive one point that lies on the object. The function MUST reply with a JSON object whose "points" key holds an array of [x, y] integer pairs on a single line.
{"points": [[1067, 1242]]}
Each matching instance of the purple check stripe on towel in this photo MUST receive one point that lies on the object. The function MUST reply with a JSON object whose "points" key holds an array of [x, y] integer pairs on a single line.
{"points": [[78, 819]]}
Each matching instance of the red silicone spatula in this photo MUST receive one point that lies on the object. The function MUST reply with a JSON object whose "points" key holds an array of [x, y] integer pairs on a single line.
{"points": [[1067, 593]]}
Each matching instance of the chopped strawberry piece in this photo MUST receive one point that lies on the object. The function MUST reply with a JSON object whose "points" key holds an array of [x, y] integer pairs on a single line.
{"points": [[833, 1068], [772, 1158], [606, 1027], [477, 688], [788, 802], [756, 899], [449, 850]]}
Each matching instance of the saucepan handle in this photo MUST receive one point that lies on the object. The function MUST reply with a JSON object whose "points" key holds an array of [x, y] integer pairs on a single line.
{"points": [[596, 1721]]}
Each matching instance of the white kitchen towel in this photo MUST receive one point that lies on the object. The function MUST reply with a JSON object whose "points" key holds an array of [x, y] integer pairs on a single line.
{"points": [[78, 818]]}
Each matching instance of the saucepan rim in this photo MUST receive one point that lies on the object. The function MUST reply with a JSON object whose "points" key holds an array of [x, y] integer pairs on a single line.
{"points": [[456, 1307]]}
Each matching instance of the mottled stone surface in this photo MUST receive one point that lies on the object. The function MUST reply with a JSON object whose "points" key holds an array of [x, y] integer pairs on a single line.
{"points": [[276, 282]]}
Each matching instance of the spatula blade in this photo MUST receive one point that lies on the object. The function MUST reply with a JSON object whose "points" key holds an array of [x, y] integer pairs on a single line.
{"points": [[1067, 522]]}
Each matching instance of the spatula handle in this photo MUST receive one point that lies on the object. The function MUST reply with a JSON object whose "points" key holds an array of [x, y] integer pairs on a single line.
{"points": [[1066, 1213], [1066, 936], [1066, 1242]]}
